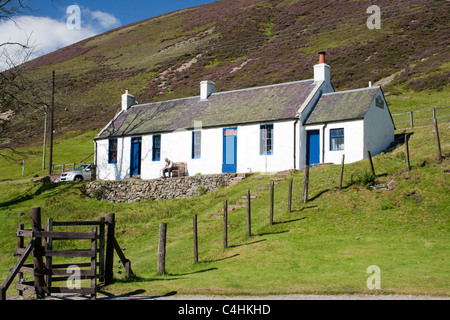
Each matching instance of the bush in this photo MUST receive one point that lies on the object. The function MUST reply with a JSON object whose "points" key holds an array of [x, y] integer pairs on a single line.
{"points": [[365, 179], [201, 190]]}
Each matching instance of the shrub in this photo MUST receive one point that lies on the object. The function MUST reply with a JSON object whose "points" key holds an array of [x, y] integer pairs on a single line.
{"points": [[365, 179], [201, 190]]}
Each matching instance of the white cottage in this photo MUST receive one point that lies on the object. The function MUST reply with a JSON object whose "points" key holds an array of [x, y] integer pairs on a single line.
{"points": [[262, 129]]}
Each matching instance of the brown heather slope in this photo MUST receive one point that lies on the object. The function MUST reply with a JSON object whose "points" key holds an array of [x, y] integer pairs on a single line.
{"points": [[238, 44]]}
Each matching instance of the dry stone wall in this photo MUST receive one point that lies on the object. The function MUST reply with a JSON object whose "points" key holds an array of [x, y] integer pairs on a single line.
{"points": [[132, 190]]}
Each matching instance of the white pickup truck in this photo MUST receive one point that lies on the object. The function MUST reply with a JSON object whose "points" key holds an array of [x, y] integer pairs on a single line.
{"points": [[80, 173]]}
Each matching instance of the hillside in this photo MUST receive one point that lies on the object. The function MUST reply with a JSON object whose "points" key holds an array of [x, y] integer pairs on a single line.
{"points": [[238, 44], [324, 246]]}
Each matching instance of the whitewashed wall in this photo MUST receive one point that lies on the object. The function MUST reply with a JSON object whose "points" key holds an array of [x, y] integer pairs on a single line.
{"points": [[248, 148], [113, 171], [177, 146], [353, 142], [378, 127]]}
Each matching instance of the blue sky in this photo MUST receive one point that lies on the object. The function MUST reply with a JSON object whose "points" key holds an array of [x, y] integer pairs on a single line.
{"points": [[126, 11], [50, 26]]}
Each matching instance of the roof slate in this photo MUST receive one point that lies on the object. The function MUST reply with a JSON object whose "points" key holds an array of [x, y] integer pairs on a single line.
{"points": [[342, 106], [260, 104]]}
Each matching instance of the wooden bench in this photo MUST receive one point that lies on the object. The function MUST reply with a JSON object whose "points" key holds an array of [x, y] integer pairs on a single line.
{"points": [[179, 168]]}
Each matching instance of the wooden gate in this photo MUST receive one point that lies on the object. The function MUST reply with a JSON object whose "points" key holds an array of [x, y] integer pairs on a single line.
{"points": [[96, 263]]}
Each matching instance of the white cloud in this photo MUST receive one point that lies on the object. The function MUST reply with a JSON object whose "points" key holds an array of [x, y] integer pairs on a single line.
{"points": [[45, 34], [105, 20]]}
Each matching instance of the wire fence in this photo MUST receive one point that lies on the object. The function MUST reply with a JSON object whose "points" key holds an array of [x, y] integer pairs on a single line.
{"points": [[421, 118]]}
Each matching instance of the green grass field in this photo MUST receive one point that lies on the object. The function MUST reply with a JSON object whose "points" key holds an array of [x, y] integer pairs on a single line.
{"points": [[323, 246]]}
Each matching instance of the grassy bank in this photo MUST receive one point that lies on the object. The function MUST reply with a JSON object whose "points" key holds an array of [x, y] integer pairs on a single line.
{"points": [[322, 246]]}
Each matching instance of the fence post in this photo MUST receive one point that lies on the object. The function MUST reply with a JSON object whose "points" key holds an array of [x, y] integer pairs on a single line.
{"points": [[290, 195], [271, 202], [162, 248], [341, 178], [411, 119], [369, 155], [436, 128], [249, 219], [407, 152], [109, 254], [94, 265], [101, 254], [39, 280], [305, 184], [194, 225], [225, 224], [49, 260], [20, 244]]}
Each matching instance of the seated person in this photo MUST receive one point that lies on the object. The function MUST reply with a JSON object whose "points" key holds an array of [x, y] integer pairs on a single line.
{"points": [[168, 167]]}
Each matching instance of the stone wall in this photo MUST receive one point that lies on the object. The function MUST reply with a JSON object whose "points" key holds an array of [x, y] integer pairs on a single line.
{"points": [[132, 190]]}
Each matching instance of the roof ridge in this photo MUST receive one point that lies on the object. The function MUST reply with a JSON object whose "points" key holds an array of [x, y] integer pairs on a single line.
{"points": [[352, 90], [264, 86], [224, 92]]}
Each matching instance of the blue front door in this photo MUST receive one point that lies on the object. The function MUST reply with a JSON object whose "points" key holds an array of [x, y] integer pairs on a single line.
{"points": [[229, 150], [135, 167], [312, 147]]}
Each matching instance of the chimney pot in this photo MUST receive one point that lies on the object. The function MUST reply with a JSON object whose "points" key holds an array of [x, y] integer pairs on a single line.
{"points": [[322, 56]]}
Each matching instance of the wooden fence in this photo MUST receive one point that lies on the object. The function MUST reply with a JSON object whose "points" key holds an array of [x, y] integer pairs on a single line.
{"points": [[420, 118], [99, 255]]}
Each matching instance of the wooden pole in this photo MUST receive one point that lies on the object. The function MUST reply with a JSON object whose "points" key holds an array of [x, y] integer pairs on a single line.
{"points": [[94, 265], [436, 129], [49, 260], [52, 112], [407, 152], [305, 184], [225, 224], [272, 191], [109, 254], [20, 245], [290, 195], [249, 219], [44, 147], [371, 162], [162, 248], [341, 178], [39, 280], [411, 119], [101, 253], [194, 225]]}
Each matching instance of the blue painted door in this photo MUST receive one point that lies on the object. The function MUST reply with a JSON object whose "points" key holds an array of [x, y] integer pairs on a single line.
{"points": [[312, 147], [229, 150], [135, 168]]}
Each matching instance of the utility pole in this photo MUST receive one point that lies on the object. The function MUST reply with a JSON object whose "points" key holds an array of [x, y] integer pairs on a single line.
{"points": [[52, 109], [45, 137]]}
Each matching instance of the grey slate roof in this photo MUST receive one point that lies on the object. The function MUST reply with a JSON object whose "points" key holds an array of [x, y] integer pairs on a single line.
{"points": [[342, 106], [259, 104]]}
